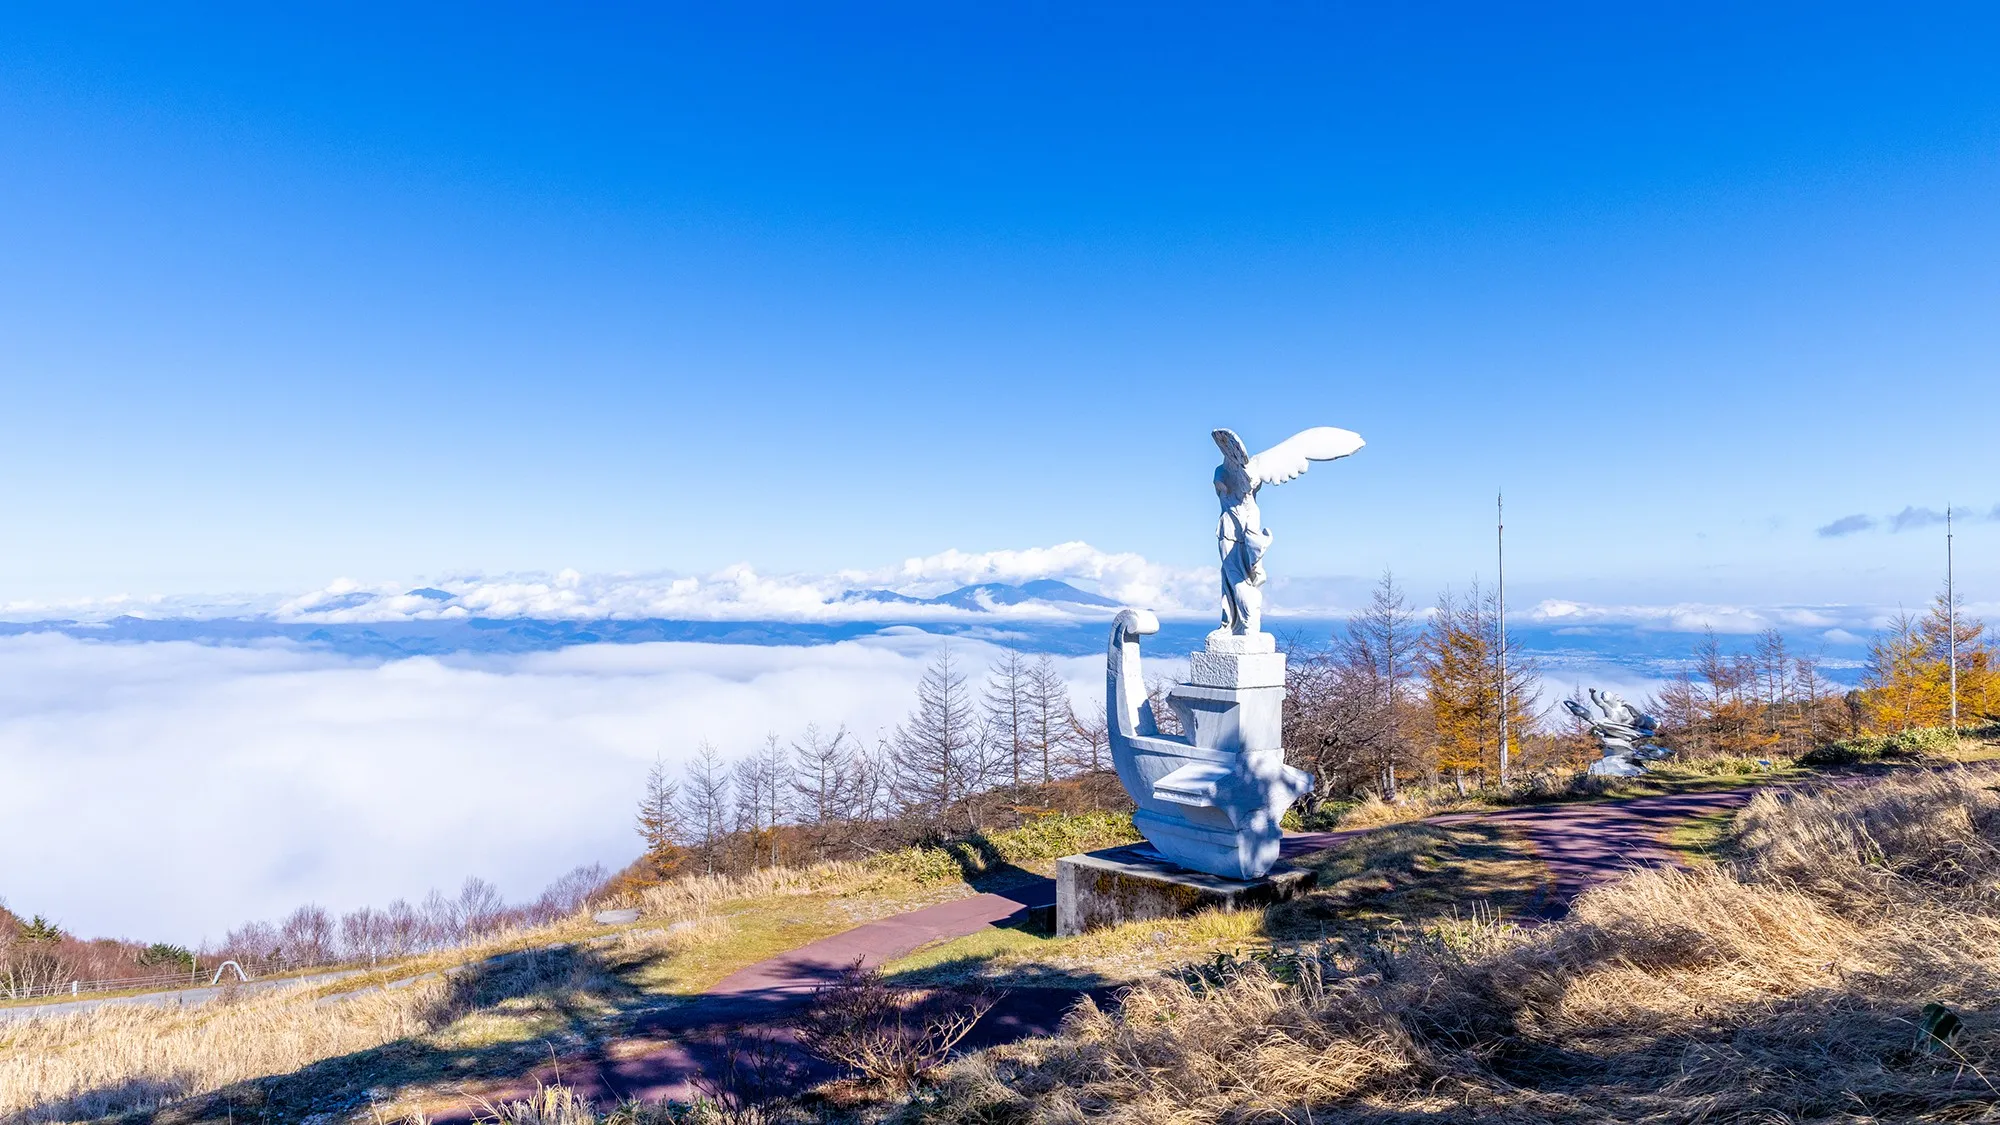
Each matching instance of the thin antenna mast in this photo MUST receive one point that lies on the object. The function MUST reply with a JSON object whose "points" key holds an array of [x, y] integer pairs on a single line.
{"points": [[1951, 617], [1500, 545]]}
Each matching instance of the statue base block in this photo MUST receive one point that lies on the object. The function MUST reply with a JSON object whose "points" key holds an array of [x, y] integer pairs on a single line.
{"points": [[1134, 883], [1618, 765]]}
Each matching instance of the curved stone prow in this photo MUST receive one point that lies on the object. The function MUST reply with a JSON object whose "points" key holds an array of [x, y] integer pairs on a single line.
{"points": [[1209, 800], [1131, 709]]}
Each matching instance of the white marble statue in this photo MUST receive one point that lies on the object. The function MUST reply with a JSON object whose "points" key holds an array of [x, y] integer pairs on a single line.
{"points": [[1210, 799], [1623, 734], [1241, 536]]}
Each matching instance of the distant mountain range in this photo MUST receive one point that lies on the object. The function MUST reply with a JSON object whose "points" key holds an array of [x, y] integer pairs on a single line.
{"points": [[986, 596], [1078, 630]]}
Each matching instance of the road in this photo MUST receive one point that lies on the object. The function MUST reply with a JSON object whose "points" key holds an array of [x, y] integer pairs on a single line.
{"points": [[170, 998]]}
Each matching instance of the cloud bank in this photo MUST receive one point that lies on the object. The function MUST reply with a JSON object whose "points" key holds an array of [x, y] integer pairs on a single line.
{"points": [[1695, 617], [735, 593], [172, 790]]}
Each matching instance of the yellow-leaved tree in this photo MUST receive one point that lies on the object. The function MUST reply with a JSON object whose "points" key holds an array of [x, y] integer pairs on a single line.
{"points": [[1908, 683], [1461, 674]]}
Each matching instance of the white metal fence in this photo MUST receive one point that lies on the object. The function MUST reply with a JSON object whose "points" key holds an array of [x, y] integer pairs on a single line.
{"points": [[195, 977]]}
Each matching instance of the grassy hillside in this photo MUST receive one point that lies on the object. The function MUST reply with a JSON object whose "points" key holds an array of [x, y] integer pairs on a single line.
{"points": [[1812, 969], [1781, 979], [408, 1035], [1786, 983]]}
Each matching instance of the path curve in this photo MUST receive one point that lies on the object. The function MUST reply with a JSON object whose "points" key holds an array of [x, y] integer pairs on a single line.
{"points": [[668, 1050]]}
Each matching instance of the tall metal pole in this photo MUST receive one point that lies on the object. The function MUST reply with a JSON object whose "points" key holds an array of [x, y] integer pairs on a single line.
{"points": [[1951, 618], [1500, 545]]}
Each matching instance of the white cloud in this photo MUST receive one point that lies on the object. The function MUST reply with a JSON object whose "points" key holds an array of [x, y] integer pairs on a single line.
{"points": [[172, 790], [1693, 617], [735, 593], [1124, 577]]}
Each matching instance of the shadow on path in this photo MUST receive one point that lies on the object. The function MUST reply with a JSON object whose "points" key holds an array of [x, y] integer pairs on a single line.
{"points": [[741, 1025]]}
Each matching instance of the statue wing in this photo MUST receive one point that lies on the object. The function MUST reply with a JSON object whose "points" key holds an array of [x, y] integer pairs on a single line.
{"points": [[1295, 454], [1233, 452]]}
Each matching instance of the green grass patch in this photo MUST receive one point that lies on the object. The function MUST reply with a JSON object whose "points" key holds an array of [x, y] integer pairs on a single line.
{"points": [[1414, 875], [980, 856], [1701, 839]]}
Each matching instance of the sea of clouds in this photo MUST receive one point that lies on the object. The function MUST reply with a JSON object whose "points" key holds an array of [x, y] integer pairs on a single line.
{"points": [[174, 788]]}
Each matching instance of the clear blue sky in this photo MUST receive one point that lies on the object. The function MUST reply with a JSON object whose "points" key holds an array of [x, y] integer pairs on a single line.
{"points": [[293, 292]]}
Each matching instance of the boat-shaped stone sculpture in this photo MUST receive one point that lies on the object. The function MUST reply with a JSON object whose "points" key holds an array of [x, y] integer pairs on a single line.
{"points": [[1211, 797]]}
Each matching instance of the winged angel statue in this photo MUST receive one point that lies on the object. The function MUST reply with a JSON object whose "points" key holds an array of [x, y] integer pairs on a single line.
{"points": [[1241, 536]]}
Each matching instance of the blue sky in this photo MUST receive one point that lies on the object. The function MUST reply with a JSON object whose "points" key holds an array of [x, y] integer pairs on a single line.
{"points": [[292, 293]]}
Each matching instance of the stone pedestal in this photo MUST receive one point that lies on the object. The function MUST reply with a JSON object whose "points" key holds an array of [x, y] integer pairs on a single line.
{"points": [[1133, 883], [1616, 765]]}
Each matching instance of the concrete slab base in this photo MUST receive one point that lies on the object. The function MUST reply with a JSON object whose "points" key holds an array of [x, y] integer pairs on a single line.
{"points": [[1133, 883]]}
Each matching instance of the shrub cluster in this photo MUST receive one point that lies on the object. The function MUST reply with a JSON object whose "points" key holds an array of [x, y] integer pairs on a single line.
{"points": [[1903, 745]]}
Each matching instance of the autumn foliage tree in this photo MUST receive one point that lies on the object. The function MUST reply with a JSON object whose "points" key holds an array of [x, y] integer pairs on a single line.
{"points": [[1908, 682], [1462, 685]]}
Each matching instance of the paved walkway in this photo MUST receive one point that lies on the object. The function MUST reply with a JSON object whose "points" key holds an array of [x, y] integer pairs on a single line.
{"points": [[669, 1050]]}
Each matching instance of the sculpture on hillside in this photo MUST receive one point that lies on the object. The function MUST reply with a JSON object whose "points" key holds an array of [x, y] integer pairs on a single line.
{"points": [[1210, 799], [1623, 733], [1241, 536]]}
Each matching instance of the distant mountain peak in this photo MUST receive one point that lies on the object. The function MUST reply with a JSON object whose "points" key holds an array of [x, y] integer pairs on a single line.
{"points": [[984, 596]]}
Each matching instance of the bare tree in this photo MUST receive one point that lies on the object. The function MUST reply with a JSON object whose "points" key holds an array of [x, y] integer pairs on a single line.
{"points": [[363, 934], [705, 804], [570, 893], [825, 783], [936, 754], [442, 927], [479, 908], [34, 956], [1158, 687], [763, 782], [874, 773], [1380, 654], [1051, 722], [1814, 694], [403, 929], [659, 819], [1336, 722], [1007, 713], [1090, 742], [1772, 671], [774, 780], [307, 936]]}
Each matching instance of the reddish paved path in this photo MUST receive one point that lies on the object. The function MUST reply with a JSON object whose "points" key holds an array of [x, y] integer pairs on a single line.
{"points": [[667, 1050]]}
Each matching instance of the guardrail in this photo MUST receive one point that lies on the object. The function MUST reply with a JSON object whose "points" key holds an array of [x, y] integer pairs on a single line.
{"points": [[161, 982]]}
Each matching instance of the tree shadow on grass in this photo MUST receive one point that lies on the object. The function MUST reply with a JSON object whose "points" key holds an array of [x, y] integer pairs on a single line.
{"points": [[1413, 876], [984, 869], [558, 993], [551, 1026]]}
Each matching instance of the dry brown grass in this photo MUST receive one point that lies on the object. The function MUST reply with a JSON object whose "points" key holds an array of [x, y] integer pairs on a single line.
{"points": [[125, 1058], [698, 896], [1782, 987], [117, 1059]]}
